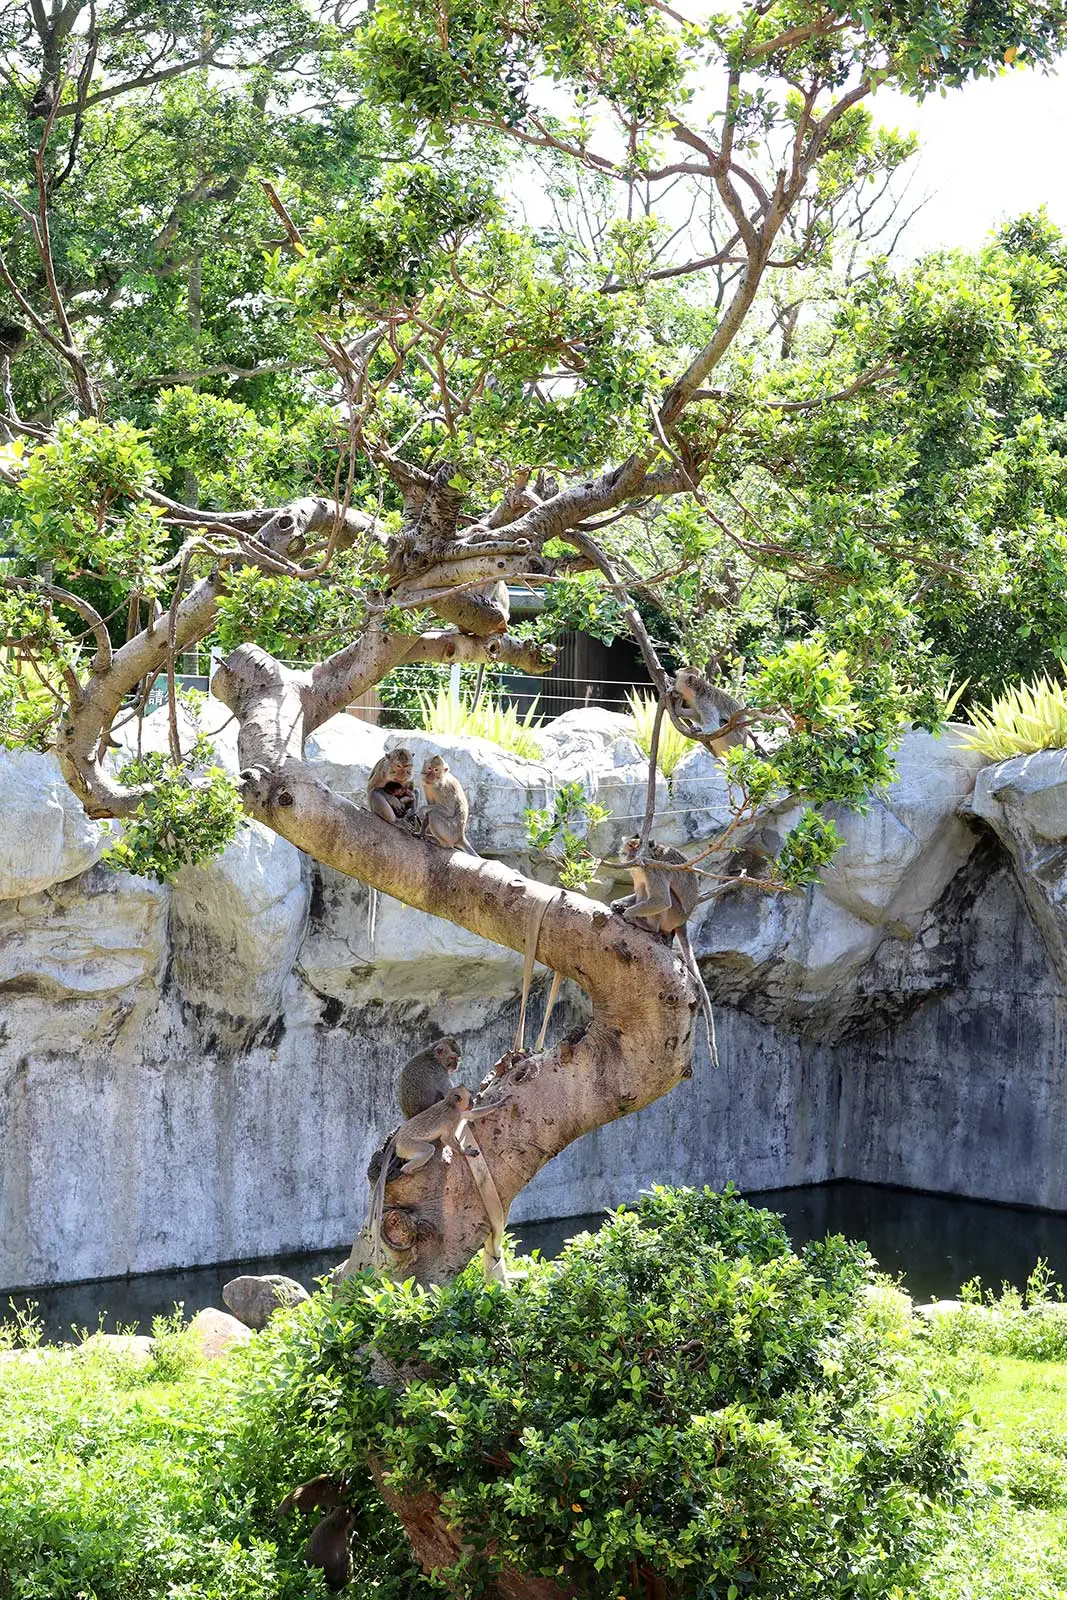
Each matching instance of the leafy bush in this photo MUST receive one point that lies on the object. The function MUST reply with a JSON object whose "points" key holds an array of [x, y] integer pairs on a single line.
{"points": [[677, 1397], [673, 744], [1030, 1325], [561, 831], [1030, 716], [192, 814], [115, 1485], [449, 715]]}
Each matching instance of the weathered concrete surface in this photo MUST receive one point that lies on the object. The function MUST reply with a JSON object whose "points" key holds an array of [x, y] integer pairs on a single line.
{"points": [[200, 1073]]}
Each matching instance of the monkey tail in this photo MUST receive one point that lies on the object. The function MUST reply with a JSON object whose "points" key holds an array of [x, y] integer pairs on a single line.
{"points": [[372, 919], [705, 1002], [469, 848]]}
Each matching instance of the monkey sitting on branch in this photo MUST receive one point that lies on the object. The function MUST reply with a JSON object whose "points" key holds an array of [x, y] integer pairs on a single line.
{"points": [[427, 1077], [391, 796], [664, 898], [699, 709], [447, 810], [414, 1144], [391, 789]]}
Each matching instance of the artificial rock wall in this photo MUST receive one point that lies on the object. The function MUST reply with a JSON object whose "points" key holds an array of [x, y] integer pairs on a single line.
{"points": [[200, 1072]]}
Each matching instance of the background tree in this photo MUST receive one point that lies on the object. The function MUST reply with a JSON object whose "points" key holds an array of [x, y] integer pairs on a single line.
{"points": [[488, 403]]}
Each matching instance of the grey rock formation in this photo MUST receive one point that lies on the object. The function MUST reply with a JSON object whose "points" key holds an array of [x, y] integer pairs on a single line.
{"points": [[45, 836], [199, 1072], [254, 1300], [1025, 802]]}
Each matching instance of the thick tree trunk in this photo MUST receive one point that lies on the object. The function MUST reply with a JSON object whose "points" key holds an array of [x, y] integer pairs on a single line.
{"points": [[437, 1544], [636, 1047]]}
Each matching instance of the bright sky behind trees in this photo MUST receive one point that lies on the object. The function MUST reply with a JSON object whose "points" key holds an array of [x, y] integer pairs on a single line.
{"points": [[986, 153]]}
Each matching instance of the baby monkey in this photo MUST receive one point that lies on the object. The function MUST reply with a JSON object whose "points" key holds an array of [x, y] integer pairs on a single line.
{"points": [[663, 901], [390, 789], [427, 1077], [447, 811]]}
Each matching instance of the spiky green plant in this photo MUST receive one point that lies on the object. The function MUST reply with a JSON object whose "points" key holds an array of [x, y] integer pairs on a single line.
{"points": [[449, 715], [1032, 716], [673, 745]]}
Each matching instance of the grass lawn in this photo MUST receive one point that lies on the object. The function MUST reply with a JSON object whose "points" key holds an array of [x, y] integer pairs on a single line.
{"points": [[1014, 1547]]}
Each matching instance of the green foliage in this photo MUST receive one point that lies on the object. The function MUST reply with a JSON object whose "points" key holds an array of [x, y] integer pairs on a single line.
{"points": [[673, 744], [190, 815], [578, 603], [1030, 1325], [1031, 716], [22, 1329], [807, 848], [292, 618], [561, 832], [239, 458], [492, 719], [678, 1391], [82, 503]]}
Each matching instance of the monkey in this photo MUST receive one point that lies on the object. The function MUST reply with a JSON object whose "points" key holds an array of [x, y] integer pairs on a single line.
{"points": [[698, 706], [416, 1140], [318, 1494], [445, 817], [13, 340], [391, 796], [328, 1546], [390, 791], [42, 104], [427, 1077], [663, 901]]}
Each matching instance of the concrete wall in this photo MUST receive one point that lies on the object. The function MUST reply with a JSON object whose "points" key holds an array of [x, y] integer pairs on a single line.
{"points": [[141, 1128]]}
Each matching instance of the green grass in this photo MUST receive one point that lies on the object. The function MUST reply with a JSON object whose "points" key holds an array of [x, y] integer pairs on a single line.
{"points": [[673, 744], [501, 724], [1012, 1542]]}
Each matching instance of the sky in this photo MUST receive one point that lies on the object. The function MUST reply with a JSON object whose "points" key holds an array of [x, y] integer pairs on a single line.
{"points": [[987, 152]]}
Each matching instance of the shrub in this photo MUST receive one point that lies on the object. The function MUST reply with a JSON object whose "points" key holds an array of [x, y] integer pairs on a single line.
{"points": [[1032, 716], [678, 1398], [117, 1486], [491, 719], [673, 744], [1031, 1326]]}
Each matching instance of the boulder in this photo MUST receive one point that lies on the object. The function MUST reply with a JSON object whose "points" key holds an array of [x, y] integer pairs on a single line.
{"points": [[216, 1332], [1025, 801], [99, 935], [938, 1308], [800, 958], [900, 852], [135, 1347], [207, 715], [254, 1300], [237, 922], [46, 838]]}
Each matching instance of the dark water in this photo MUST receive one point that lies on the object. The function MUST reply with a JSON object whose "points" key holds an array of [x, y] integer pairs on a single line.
{"points": [[934, 1242]]}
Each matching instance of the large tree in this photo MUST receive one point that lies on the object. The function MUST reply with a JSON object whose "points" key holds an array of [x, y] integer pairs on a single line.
{"points": [[377, 395]]}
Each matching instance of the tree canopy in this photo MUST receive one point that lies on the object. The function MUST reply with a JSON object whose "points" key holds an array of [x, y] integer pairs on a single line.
{"points": [[322, 327]]}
